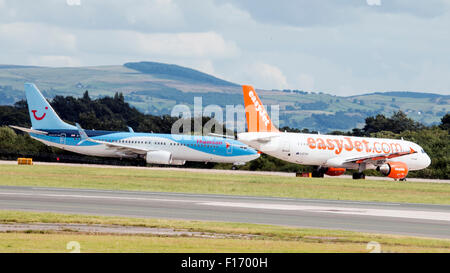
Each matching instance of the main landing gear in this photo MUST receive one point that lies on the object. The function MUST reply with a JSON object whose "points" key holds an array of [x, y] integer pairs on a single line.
{"points": [[359, 175]]}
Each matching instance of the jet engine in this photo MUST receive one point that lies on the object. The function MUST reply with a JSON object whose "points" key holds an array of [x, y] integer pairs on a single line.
{"points": [[158, 157], [396, 170], [178, 162], [335, 171]]}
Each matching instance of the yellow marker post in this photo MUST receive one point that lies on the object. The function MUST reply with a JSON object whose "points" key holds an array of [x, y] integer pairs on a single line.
{"points": [[24, 161]]}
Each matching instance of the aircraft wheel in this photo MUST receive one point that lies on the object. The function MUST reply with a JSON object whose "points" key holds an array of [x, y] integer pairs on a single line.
{"points": [[317, 174], [359, 176]]}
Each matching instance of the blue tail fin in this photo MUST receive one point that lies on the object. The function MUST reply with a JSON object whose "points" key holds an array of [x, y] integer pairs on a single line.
{"points": [[41, 112]]}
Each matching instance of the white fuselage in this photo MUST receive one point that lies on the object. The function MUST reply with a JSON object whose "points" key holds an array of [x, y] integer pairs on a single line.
{"points": [[330, 150]]}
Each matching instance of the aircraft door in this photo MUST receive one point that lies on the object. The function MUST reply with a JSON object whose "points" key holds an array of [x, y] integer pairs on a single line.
{"points": [[286, 147], [298, 151], [229, 148], [62, 139]]}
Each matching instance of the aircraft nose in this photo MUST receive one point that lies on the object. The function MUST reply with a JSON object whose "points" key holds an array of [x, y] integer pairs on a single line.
{"points": [[256, 156], [427, 161]]}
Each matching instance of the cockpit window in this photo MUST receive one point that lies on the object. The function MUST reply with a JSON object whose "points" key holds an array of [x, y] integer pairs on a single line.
{"points": [[423, 152]]}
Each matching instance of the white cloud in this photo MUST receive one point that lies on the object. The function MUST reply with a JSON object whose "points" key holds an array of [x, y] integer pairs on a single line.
{"points": [[36, 38], [142, 15], [54, 61], [263, 75], [205, 66], [373, 2], [189, 45], [158, 14], [305, 82], [341, 47]]}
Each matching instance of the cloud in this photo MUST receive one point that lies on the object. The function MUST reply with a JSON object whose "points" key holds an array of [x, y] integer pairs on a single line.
{"points": [[306, 13], [341, 47], [305, 82], [145, 16], [302, 12], [54, 61], [189, 45], [373, 2], [32, 40], [424, 9], [263, 75], [36, 38]]}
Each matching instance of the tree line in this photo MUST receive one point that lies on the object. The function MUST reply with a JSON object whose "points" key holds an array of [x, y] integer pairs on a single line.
{"points": [[113, 113]]}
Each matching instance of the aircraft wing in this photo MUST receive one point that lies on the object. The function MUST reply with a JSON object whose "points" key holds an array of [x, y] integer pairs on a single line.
{"points": [[374, 159], [263, 138], [122, 148], [119, 147], [28, 130]]}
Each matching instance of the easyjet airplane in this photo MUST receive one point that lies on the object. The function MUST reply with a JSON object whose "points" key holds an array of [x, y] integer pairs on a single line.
{"points": [[49, 129], [331, 154]]}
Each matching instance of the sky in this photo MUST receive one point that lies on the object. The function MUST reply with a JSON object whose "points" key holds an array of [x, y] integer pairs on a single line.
{"points": [[341, 47]]}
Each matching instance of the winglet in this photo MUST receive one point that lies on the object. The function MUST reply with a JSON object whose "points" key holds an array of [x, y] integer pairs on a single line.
{"points": [[82, 133], [130, 129]]}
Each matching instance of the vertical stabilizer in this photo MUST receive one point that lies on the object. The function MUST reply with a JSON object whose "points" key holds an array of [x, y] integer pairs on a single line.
{"points": [[258, 119], [41, 112]]}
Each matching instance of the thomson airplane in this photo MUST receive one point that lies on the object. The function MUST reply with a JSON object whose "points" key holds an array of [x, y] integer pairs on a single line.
{"points": [[331, 154], [168, 149]]}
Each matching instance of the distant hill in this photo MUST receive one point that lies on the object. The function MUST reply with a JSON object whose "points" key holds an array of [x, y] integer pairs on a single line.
{"points": [[177, 72], [154, 88], [409, 94]]}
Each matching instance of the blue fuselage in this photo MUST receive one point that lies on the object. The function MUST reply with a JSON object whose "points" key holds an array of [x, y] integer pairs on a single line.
{"points": [[181, 147]]}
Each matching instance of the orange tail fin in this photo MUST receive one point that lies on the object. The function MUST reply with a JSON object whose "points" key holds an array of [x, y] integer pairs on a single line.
{"points": [[257, 118]]}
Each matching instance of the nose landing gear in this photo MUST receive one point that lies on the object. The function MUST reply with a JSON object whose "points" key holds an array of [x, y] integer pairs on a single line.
{"points": [[318, 172]]}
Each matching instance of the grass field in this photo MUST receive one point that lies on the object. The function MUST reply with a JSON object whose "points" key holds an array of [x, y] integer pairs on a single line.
{"points": [[265, 238], [235, 184]]}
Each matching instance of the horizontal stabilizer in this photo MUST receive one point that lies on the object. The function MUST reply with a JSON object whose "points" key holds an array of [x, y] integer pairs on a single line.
{"points": [[223, 136], [27, 130]]}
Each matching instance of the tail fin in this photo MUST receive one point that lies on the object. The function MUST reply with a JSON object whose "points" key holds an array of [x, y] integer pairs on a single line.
{"points": [[42, 114], [257, 118]]}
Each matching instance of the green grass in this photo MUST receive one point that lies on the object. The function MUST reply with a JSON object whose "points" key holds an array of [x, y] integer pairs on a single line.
{"points": [[234, 184], [268, 238]]}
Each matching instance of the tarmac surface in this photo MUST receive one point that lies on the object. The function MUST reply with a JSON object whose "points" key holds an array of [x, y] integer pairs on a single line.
{"points": [[389, 218]]}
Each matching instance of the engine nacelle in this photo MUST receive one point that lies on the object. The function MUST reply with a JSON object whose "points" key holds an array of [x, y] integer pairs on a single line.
{"points": [[396, 170], [178, 162], [159, 157], [335, 171]]}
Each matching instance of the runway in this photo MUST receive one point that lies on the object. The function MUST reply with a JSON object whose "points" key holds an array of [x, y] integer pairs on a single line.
{"points": [[391, 218], [220, 171]]}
